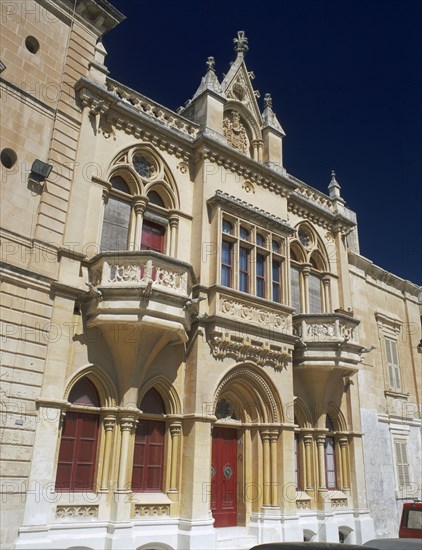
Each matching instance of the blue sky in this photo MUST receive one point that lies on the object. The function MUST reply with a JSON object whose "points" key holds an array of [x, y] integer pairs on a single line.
{"points": [[345, 78]]}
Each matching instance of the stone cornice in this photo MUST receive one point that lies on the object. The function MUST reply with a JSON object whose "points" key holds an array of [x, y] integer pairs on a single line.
{"points": [[233, 204], [176, 134], [97, 15], [383, 275], [209, 148]]}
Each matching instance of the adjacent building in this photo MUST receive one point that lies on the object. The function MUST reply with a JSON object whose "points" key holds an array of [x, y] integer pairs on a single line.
{"points": [[194, 352]]}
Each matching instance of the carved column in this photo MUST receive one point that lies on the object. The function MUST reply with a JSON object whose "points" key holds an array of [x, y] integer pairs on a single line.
{"points": [[307, 441], [267, 468], [327, 295], [108, 423], [344, 463], [255, 145], [175, 430], [127, 427], [322, 483], [305, 289], [139, 207], [174, 223], [273, 458]]}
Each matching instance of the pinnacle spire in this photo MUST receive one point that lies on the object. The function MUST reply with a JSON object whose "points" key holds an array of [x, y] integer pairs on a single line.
{"points": [[334, 186], [210, 80], [269, 117]]}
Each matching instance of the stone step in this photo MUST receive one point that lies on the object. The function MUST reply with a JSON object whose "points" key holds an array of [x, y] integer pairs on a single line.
{"points": [[235, 538]]}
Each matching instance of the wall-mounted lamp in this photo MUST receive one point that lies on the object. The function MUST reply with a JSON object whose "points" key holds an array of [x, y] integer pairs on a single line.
{"points": [[40, 170]]}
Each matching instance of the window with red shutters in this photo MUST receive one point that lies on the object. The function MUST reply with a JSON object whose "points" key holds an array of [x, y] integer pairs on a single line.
{"points": [[152, 236], [148, 459], [79, 441]]}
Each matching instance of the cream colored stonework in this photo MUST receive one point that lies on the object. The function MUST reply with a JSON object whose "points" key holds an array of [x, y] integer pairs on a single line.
{"points": [[223, 345]]}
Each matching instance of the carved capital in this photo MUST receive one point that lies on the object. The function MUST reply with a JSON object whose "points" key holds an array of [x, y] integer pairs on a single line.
{"points": [[175, 429], [173, 221], [128, 423], [343, 442], [109, 422], [307, 440], [320, 440]]}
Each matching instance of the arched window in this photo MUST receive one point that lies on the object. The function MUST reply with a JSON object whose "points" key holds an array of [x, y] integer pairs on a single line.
{"points": [[307, 267], [79, 439], [330, 456], [136, 216], [148, 458]]}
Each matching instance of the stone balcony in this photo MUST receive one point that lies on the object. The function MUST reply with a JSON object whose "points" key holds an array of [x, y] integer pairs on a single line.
{"points": [[327, 342], [139, 288]]}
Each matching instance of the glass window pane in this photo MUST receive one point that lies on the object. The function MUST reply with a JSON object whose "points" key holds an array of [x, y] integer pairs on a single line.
{"points": [[115, 225], [295, 288], [315, 304]]}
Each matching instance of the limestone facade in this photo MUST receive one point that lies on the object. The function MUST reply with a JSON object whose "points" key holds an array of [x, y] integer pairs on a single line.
{"points": [[191, 338]]}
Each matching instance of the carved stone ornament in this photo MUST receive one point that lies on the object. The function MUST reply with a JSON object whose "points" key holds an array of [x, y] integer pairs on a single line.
{"points": [[303, 504], [152, 510], [255, 315], [77, 512], [244, 349], [235, 132], [339, 502]]}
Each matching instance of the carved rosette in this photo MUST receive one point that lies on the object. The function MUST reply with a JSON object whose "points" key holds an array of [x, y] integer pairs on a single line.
{"points": [[152, 510], [77, 512]]}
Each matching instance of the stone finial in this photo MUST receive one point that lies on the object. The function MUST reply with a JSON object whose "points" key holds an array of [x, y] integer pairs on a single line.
{"points": [[334, 187], [268, 101], [241, 43], [210, 64]]}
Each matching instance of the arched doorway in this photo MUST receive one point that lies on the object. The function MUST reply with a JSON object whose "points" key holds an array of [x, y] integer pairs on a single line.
{"points": [[244, 446]]}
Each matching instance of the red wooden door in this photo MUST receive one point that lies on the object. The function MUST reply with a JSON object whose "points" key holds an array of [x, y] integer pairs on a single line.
{"points": [[148, 458], [224, 477]]}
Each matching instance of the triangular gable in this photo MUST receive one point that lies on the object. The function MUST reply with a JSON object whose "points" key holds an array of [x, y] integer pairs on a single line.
{"points": [[237, 83]]}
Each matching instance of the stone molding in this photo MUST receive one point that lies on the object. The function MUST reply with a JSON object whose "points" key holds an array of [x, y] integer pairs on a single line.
{"points": [[243, 208]]}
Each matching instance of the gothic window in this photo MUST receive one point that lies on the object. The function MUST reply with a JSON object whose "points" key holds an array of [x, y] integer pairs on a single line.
{"points": [[137, 204], [79, 438], [330, 458], [148, 458], [251, 261], [307, 267]]}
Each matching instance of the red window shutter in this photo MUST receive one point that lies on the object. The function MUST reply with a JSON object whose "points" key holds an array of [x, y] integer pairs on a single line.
{"points": [[148, 461], [78, 451], [152, 236]]}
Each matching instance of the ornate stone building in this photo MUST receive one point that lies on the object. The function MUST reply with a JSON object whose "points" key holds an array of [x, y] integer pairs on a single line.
{"points": [[194, 353]]}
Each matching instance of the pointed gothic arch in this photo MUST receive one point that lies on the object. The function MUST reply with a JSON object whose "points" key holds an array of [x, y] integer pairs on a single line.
{"points": [[167, 393], [255, 393], [102, 382]]}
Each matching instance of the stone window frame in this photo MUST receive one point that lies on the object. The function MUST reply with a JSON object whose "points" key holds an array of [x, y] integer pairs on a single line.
{"points": [[390, 328], [254, 248]]}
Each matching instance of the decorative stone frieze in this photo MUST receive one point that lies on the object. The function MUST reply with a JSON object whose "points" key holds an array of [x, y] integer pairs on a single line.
{"points": [[259, 316], [325, 328], [262, 353], [339, 502], [77, 512], [138, 270], [152, 510], [303, 504]]}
